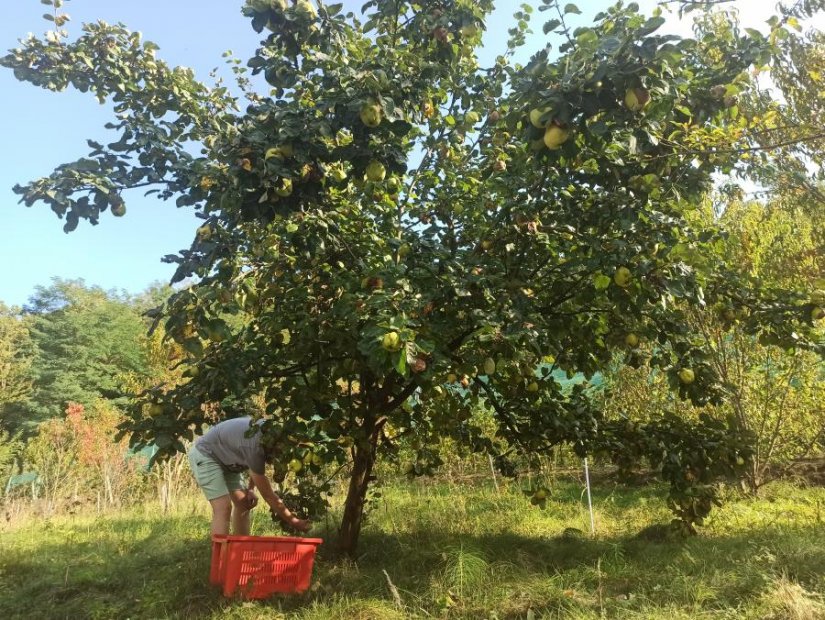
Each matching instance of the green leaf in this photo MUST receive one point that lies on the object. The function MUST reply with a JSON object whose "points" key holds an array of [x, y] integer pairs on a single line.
{"points": [[601, 281], [572, 8], [610, 45], [401, 361], [651, 25], [193, 346], [551, 25]]}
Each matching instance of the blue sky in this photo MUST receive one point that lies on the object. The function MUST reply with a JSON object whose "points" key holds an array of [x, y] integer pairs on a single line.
{"points": [[41, 129]]}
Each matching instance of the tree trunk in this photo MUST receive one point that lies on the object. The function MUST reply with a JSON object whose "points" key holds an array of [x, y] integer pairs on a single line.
{"points": [[363, 461], [753, 479]]}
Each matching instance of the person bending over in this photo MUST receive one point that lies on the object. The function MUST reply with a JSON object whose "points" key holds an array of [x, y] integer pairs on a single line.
{"points": [[218, 459]]}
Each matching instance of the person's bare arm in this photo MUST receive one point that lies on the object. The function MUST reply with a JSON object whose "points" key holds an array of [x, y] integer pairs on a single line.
{"points": [[278, 507]]}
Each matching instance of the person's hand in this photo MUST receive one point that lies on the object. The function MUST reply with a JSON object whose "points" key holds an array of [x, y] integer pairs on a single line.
{"points": [[251, 499], [299, 525]]}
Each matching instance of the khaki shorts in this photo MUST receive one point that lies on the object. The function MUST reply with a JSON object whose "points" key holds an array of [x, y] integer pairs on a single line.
{"points": [[211, 477]]}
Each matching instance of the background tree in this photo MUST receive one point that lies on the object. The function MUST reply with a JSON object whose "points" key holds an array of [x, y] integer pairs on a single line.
{"points": [[85, 339], [773, 394], [394, 236], [15, 361]]}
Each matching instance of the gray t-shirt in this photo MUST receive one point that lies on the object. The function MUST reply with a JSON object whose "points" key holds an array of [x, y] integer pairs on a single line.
{"points": [[228, 444]]}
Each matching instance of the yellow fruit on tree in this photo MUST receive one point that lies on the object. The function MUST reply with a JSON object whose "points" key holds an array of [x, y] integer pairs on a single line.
{"points": [[686, 376], [285, 189], [489, 366], [817, 314], [636, 99], [204, 232], [376, 171], [631, 340], [371, 115], [555, 136], [533, 387], [338, 173], [279, 152], [295, 466], [622, 277], [469, 31], [118, 208], [391, 341], [535, 117], [155, 409], [305, 9]]}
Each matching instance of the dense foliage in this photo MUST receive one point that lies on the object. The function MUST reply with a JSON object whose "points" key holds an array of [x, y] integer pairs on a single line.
{"points": [[394, 236]]}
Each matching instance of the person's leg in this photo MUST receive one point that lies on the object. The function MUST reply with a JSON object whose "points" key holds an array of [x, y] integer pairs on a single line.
{"points": [[240, 513], [221, 511], [210, 478]]}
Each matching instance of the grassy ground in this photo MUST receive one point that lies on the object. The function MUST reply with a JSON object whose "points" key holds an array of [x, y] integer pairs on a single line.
{"points": [[450, 551]]}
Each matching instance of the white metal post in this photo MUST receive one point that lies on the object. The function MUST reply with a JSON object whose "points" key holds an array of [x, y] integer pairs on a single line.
{"points": [[589, 499]]}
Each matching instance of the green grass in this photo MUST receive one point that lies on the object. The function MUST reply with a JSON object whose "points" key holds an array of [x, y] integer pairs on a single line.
{"points": [[449, 551]]}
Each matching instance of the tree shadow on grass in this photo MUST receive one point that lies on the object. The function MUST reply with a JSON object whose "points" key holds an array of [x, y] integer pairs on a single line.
{"points": [[131, 570]]}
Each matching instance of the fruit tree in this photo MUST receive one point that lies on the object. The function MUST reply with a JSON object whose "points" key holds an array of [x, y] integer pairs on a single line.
{"points": [[394, 235]]}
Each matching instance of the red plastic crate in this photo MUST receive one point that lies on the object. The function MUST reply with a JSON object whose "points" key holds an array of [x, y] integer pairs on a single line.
{"points": [[256, 567]]}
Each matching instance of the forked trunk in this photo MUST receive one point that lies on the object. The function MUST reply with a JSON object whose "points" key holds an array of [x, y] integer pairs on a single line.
{"points": [[363, 462]]}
